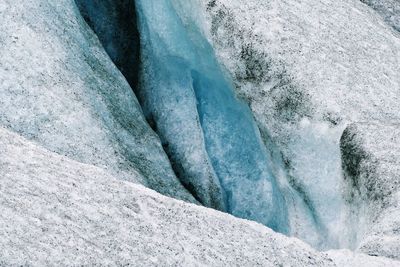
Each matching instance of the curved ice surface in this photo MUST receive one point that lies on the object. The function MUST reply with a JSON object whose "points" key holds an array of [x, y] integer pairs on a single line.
{"points": [[209, 134]]}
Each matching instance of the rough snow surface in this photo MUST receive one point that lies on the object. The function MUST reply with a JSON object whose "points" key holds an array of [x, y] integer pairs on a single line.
{"points": [[371, 159], [307, 69], [59, 87], [388, 9], [72, 131], [347, 258], [56, 211]]}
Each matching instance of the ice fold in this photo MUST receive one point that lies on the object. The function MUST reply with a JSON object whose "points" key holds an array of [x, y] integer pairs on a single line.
{"points": [[209, 134]]}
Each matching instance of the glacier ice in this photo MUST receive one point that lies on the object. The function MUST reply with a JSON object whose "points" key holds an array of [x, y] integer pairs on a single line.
{"points": [[388, 9], [114, 22], [208, 132], [306, 78], [371, 161], [59, 88], [85, 216], [189, 100]]}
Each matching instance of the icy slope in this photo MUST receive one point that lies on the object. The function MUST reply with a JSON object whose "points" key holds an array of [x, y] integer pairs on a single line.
{"points": [[388, 9], [60, 88], [55, 211], [307, 68], [371, 159], [301, 77]]}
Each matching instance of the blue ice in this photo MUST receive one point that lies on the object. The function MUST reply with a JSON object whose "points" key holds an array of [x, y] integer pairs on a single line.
{"points": [[209, 134]]}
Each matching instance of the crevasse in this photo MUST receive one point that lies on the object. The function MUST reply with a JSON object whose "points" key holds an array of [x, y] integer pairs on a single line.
{"points": [[210, 135]]}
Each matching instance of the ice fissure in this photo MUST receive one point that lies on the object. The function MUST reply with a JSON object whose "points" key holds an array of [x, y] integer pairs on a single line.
{"points": [[208, 133], [114, 22]]}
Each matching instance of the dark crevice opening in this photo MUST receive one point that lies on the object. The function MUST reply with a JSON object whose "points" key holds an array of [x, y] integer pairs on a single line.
{"points": [[175, 164], [115, 24]]}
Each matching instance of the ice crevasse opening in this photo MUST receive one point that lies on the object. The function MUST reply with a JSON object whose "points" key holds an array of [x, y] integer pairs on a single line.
{"points": [[209, 134]]}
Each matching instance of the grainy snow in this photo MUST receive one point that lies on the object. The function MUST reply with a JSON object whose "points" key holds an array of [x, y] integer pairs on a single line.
{"points": [[371, 158], [73, 139], [58, 212], [346, 258], [307, 69], [59, 87], [388, 9]]}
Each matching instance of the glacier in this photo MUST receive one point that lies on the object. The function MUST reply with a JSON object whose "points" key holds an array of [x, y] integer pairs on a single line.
{"points": [[68, 95], [306, 78], [388, 9], [85, 216], [250, 108], [195, 106]]}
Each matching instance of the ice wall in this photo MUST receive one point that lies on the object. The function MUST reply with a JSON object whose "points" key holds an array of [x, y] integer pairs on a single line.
{"points": [[289, 175], [306, 78], [209, 134]]}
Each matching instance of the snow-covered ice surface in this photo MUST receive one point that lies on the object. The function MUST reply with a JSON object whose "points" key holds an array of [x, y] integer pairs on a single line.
{"points": [[371, 159], [60, 212], [57, 212], [307, 69], [388, 9], [73, 136], [60, 88], [347, 258]]}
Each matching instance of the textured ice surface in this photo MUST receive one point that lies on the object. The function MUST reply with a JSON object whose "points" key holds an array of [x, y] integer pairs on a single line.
{"points": [[210, 135], [59, 88], [371, 159], [347, 258], [58, 212], [180, 76], [388, 9], [308, 68]]}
